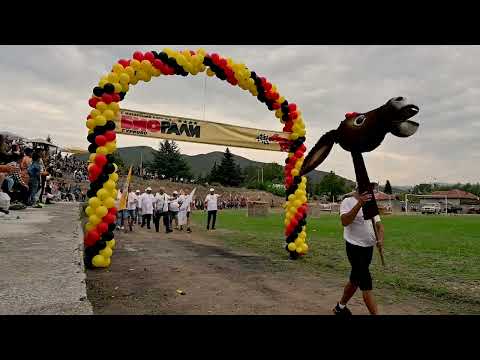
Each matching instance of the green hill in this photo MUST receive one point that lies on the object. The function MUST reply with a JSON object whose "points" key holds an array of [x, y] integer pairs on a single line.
{"points": [[200, 164]]}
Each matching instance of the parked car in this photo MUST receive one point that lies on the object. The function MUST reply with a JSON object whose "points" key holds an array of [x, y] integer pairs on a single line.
{"points": [[474, 210], [432, 208], [452, 209]]}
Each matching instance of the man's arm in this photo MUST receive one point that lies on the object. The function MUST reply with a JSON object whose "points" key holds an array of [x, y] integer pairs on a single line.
{"points": [[348, 218], [381, 234]]}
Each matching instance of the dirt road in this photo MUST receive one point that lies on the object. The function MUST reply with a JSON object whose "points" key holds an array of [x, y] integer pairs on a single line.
{"points": [[148, 268]]}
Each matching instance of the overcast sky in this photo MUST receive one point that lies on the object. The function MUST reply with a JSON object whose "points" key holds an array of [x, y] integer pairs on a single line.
{"points": [[45, 90]]}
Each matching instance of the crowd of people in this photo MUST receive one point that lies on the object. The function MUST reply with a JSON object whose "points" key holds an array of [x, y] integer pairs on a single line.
{"points": [[174, 210], [28, 175]]}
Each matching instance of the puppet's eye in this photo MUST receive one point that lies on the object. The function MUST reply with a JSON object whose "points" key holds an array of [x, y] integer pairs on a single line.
{"points": [[359, 120]]}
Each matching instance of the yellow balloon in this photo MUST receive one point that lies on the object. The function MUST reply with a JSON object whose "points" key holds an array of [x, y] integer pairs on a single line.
{"points": [[90, 124], [118, 68], [106, 252], [108, 261], [89, 211], [297, 203], [101, 106], [113, 177], [291, 246], [109, 202], [118, 87], [111, 244], [155, 72], [114, 193], [148, 77], [124, 78], [286, 222], [141, 75], [90, 131], [292, 210], [145, 65], [108, 115], [89, 227], [94, 202], [295, 172], [304, 248], [113, 77], [304, 199], [291, 197], [125, 87], [294, 136], [100, 120], [298, 250], [298, 242], [109, 185], [99, 261], [91, 158], [114, 107], [94, 113], [101, 211], [134, 80], [102, 82], [210, 72], [102, 150], [111, 146], [130, 71], [94, 219], [102, 194]]}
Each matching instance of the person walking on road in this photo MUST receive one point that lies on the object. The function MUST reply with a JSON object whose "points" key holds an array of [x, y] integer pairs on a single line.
{"points": [[173, 207], [211, 204], [132, 204], [161, 211], [147, 200], [360, 241], [138, 210]]}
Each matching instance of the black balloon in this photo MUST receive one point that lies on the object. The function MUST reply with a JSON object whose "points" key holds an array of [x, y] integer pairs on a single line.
{"points": [[207, 61], [108, 236], [100, 245], [110, 125], [109, 88], [92, 148], [109, 168], [103, 178], [91, 193], [98, 91], [110, 158], [111, 227], [253, 75], [122, 95], [163, 56], [285, 117], [297, 180], [91, 138]]}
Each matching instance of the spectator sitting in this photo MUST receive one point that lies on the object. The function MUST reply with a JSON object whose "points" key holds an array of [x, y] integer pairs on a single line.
{"points": [[14, 181]]}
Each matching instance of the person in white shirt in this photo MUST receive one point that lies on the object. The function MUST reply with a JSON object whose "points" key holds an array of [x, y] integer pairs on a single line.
{"points": [[185, 202], [360, 240], [161, 210], [147, 199], [211, 204], [120, 214], [173, 207], [138, 210], [132, 203]]}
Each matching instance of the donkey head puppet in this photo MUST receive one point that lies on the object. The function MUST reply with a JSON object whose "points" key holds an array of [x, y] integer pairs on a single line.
{"points": [[364, 132]]}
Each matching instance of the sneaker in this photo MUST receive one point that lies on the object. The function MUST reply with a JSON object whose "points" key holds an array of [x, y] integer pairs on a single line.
{"points": [[122, 227], [341, 312], [189, 230]]}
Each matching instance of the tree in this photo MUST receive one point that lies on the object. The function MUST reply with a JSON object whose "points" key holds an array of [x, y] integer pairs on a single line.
{"points": [[119, 161], [227, 171], [213, 176], [388, 188], [168, 161], [332, 185]]}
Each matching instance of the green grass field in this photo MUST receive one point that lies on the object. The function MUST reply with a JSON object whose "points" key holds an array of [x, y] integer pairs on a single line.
{"points": [[436, 257]]}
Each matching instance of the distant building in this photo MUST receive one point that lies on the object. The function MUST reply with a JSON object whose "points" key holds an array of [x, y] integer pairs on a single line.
{"points": [[454, 197]]}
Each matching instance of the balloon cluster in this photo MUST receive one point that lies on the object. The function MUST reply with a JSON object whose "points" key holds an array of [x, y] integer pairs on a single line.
{"points": [[112, 89]]}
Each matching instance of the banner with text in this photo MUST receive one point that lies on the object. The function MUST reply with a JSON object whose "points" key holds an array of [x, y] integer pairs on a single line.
{"points": [[160, 126]]}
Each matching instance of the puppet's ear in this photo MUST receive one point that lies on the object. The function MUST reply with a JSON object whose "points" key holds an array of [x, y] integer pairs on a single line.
{"points": [[319, 152]]}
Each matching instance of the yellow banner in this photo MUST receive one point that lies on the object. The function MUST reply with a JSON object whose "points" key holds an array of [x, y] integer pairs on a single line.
{"points": [[123, 199], [192, 130]]}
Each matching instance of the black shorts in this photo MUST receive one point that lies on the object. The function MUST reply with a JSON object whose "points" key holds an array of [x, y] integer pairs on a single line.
{"points": [[360, 258]]}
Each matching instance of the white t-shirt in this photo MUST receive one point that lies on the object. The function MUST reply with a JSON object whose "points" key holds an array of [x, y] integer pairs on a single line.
{"points": [[161, 202], [147, 201], [360, 232], [173, 205], [212, 202], [132, 201], [182, 199]]}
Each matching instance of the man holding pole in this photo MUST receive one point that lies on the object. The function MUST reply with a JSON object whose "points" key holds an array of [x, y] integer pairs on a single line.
{"points": [[360, 238]]}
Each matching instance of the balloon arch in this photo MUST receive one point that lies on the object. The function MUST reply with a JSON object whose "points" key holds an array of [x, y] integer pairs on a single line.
{"points": [[112, 88]]}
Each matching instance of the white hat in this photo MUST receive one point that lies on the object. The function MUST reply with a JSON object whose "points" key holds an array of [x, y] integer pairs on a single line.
{"points": [[137, 191], [148, 189], [175, 192], [212, 189]]}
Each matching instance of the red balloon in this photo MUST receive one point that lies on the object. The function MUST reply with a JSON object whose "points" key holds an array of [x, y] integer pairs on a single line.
{"points": [[92, 178], [149, 56], [93, 236], [100, 160], [95, 170], [157, 64], [109, 218], [102, 227], [298, 153], [192, 52], [215, 58], [294, 222], [100, 140], [302, 148], [299, 216], [292, 107], [276, 95], [289, 179], [276, 105], [223, 63], [107, 98], [93, 102], [268, 86], [110, 135], [124, 62], [137, 55], [112, 211], [116, 97], [89, 116], [292, 115]]}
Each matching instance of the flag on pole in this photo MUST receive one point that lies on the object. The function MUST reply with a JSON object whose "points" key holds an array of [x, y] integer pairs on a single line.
{"points": [[123, 199]]}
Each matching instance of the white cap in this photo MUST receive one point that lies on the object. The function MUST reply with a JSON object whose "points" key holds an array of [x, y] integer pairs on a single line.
{"points": [[175, 192], [148, 188], [212, 189], [137, 191]]}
